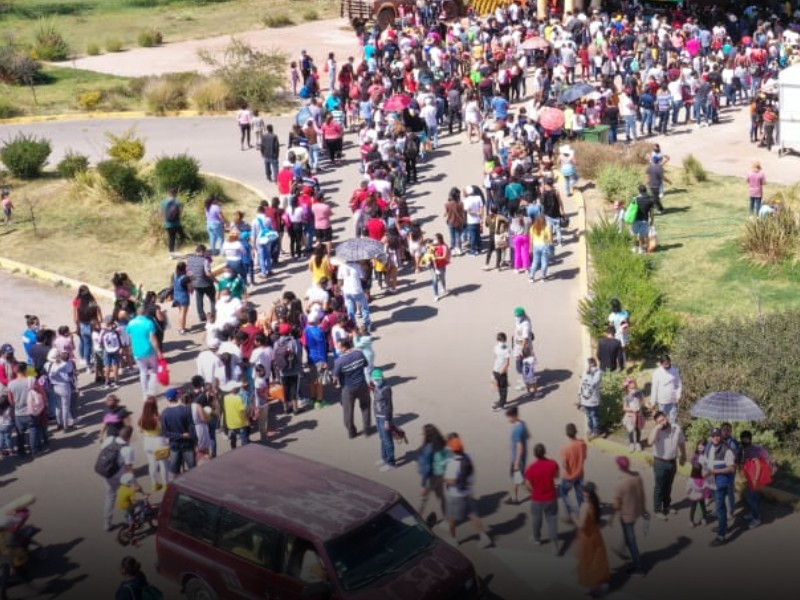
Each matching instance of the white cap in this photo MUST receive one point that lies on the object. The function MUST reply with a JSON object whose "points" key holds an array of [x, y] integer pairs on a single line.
{"points": [[127, 479], [230, 386]]}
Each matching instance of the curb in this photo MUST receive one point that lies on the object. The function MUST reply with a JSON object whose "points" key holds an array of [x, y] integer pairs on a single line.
{"points": [[59, 280], [583, 268]]}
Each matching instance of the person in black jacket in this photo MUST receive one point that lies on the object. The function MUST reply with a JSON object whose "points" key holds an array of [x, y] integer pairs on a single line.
{"points": [[609, 352], [270, 152], [384, 412]]}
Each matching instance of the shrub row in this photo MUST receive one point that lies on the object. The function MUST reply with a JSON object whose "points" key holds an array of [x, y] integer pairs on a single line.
{"points": [[619, 273], [775, 239]]}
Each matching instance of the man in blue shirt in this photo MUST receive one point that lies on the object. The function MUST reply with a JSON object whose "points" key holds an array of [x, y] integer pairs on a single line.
{"points": [[519, 452], [499, 106], [144, 344]]}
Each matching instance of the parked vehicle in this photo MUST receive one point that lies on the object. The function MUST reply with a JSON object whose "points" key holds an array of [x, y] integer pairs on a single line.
{"points": [[259, 522], [384, 12]]}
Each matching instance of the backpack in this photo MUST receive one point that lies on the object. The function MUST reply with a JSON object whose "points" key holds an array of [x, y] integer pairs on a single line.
{"points": [[631, 212], [172, 212], [149, 592], [285, 358], [111, 341], [35, 401], [107, 463], [411, 149], [465, 470]]}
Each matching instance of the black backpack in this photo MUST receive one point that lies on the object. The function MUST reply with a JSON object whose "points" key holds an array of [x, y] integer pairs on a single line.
{"points": [[107, 464], [411, 149], [465, 471], [172, 211], [285, 358]]}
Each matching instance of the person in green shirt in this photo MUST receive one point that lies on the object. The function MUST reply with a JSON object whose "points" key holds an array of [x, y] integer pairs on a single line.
{"points": [[171, 213], [233, 282], [235, 413]]}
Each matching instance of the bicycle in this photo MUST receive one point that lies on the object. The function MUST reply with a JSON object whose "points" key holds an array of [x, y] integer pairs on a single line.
{"points": [[146, 515]]}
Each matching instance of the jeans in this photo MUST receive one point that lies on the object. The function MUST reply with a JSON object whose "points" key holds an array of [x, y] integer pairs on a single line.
{"points": [[664, 472], [242, 434], [564, 489], [751, 497], [755, 205], [173, 233], [216, 237], [455, 236], [147, 373], [630, 128], [360, 300], [593, 418], [6, 441], [569, 181], [629, 532], [731, 498], [612, 132], [474, 238], [26, 424], [313, 156], [213, 423], [438, 278], [85, 348], [554, 223], [545, 511], [265, 258], [433, 135], [296, 240], [663, 121], [309, 233], [199, 294], [722, 513], [647, 121], [701, 110], [677, 105], [387, 443], [540, 260], [349, 397], [180, 458], [271, 168]]}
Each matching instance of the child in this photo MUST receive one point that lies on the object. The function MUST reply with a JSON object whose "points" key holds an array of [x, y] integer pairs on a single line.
{"points": [[8, 206], [363, 342], [529, 377], [127, 500], [112, 347], [696, 491], [98, 362], [502, 359], [6, 426], [114, 418], [64, 342], [295, 75], [248, 265], [124, 340]]}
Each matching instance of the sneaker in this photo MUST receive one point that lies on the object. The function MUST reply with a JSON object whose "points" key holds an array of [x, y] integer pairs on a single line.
{"points": [[533, 540], [485, 541], [487, 268], [638, 447], [496, 408], [717, 541], [631, 447], [754, 523], [387, 467], [661, 516], [520, 386], [379, 462]]}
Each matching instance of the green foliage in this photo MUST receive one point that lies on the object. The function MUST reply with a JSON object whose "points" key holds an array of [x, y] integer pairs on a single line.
{"points": [[17, 66], [49, 43], [612, 392], [619, 182], [72, 164], [126, 147], [748, 355], [25, 155], [277, 21], [6, 6], [90, 99], [92, 49], [771, 240], [150, 38], [121, 179], [8, 110], [253, 76], [693, 170], [310, 15], [210, 95], [164, 94], [620, 273], [114, 45], [181, 172]]}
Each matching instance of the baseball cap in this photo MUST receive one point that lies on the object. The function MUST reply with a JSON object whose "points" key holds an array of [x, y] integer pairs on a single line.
{"points": [[716, 431], [377, 374], [285, 329], [6, 349], [171, 393], [519, 311]]}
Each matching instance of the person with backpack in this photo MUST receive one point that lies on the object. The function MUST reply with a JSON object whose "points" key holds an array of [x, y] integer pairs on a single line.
{"points": [[411, 150], [116, 458], [287, 361], [134, 584], [172, 212], [350, 370], [22, 394], [460, 504], [640, 216], [590, 397]]}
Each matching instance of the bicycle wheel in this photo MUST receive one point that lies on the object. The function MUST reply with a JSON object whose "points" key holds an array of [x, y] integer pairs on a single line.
{"points": [[124, 536], [152, 518]]}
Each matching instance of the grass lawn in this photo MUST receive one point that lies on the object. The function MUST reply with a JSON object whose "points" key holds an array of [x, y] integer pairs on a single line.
{"points": [[89, 238], [63, 86], [699, 264], [84, 22]]}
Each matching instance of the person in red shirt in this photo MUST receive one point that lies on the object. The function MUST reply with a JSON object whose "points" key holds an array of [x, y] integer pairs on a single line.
{"points": [[540, 479], [376, 226], [285, 180]]}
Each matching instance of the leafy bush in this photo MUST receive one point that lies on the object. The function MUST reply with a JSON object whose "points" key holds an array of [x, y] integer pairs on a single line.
{"points": [[92, 49], [181, 172], [8, 110], [771, 240], [90, 99], [163, 94], [277, 21], [6, 6], [619, 181], [122, 179], [114, 45], [17, 66], [150, 38], [693, 170], [310, 15], [25, 155], [747, 355], [214, 188], [49, 43], [612, 392], [253, 76], [619, 273], [72, 164], [210, 95], [126, 146]]}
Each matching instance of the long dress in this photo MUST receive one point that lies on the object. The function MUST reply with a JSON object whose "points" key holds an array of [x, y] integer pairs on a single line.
{"points": [[593, 569]]}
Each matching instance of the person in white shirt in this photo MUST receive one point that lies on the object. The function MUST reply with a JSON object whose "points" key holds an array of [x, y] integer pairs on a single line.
{"points": [[350, 279], [228, 309], [210, 367], [627, 110], [429, 115], [473, 204], [666, 388]]}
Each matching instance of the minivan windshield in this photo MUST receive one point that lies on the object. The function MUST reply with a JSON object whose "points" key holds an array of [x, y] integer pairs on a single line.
{"points": [[379, 547]]}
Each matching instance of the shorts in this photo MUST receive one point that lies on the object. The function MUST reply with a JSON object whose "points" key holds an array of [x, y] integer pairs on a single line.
{"points": [[111, 359], [640, 228], [459, 508], [324, 235]]}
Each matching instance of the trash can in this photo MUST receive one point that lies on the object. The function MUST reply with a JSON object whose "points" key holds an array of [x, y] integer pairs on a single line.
{"points": [[597, 134]]}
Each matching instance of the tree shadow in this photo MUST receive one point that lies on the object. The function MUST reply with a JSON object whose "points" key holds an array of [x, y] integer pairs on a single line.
{"points": [[465, 289], [668, 210], [666, 247], [565, 273]]}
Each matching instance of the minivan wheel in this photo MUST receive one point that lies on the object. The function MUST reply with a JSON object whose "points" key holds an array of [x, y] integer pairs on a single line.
{"points": [[196, 589]]}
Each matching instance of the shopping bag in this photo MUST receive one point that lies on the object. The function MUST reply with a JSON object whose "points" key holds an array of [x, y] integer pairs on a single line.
{"points": [[162, 372]]}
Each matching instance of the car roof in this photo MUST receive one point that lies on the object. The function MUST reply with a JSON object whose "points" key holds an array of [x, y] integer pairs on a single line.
{"points": [[288, 491]]}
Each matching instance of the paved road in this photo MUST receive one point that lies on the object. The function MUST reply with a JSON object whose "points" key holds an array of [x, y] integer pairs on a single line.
{"points": [[438, 356]]}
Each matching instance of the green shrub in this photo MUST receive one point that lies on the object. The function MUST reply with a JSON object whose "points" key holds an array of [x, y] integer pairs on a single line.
{"points": [[310, 15], [126, 146], [90, 99], [17, 66], [748, 355], [6, 6], [93, 49], [25, 155], [612, 392], [619, 273], [122, 179], [150, 38], [72, 164], [163, 94], [8, 110], [210, 95], [214, 188], [693, 170], [114, 45], [277, 21], [181, 172], [619, 182], [771, 240], [49, 44]]}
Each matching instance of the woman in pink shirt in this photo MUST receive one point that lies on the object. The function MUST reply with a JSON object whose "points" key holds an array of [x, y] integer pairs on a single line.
{"points": [[756, 180], [332, 134], [323, 230]]}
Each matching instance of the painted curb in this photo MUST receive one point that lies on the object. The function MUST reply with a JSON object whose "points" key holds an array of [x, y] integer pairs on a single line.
{"points": [[60, 280]]}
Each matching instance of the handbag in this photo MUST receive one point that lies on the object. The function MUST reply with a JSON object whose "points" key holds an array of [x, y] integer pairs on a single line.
{"points": [[501, 240], [162, 372], [161, 453]]}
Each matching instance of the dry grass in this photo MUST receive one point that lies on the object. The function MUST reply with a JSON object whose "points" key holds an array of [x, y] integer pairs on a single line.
{"points": [[83, 235]]}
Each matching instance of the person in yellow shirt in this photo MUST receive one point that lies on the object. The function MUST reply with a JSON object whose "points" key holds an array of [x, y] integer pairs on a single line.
{"points": [[541, 240], [235, 412], [128, 500]]}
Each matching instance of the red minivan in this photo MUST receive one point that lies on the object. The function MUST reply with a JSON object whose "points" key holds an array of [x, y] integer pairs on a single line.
{"points": [[263, 523]]}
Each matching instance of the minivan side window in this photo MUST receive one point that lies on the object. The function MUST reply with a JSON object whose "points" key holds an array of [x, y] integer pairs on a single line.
{"points": [[194, 517], [251, 540]]}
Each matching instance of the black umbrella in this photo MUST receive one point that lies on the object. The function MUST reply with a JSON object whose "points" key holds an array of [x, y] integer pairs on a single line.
{"points": [[575, 92]]}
